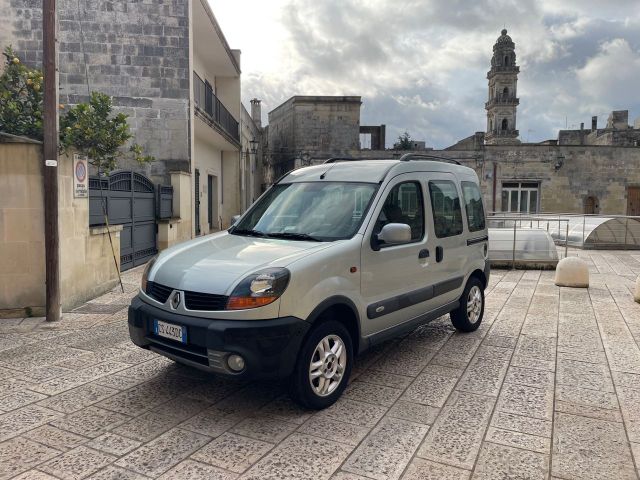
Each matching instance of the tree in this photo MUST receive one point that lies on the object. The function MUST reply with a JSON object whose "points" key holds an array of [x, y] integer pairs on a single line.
{"points": [[404, 142], [93, 130], [20, 98]]}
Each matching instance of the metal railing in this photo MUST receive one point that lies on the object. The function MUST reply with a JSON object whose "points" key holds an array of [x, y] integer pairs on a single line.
{"points": [[527, 252], [582, 230], [207, 102]]}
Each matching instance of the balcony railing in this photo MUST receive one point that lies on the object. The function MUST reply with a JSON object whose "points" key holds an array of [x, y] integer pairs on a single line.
{"points": [[502, 133], [503, 100], [208, 103]]}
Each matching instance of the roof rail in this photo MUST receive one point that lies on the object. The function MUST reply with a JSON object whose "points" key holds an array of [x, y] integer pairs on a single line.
{"points": [[352, 159], [423, 156]]}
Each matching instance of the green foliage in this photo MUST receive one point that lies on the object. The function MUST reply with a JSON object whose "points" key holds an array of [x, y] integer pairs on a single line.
{"points": [[404, 142], [20, 98], [93, 130]]}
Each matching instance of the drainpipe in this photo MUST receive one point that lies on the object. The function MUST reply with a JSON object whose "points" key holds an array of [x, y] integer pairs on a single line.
{"points": [[495, 182]]}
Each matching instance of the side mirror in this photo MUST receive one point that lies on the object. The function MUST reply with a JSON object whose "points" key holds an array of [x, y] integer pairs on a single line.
{"points": [[395, 234], [235, 219]]}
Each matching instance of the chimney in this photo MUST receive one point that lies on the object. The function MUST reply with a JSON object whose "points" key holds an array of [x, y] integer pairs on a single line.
{"points": [[581, 126], [594, 123], [256, 112]]}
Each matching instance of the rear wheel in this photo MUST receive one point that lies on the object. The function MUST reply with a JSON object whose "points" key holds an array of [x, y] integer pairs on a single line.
{"points": [[468, 316], [323, 366]]}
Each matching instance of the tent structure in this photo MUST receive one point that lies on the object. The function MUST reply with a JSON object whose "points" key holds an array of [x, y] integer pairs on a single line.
{"points": [[533, 247], [587, 231]]}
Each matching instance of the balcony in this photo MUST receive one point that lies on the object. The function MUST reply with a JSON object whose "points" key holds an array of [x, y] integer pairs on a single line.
{"points": [[502, 69], [502, 100], [502, 133], [212, 108]]}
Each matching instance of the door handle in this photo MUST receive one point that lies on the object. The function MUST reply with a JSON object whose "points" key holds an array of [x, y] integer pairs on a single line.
{"points": [[424, 253], [439, 253]]}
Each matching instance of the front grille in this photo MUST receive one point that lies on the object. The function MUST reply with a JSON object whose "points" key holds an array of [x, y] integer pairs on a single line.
{"points": [[204, 301], [158, 292]]}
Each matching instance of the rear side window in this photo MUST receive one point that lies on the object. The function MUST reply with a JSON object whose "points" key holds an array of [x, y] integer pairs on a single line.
{"points": [[473, 206], [445, 203]]}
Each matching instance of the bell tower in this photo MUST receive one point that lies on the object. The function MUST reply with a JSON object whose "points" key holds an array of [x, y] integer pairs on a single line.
{"points": [[503, 100]]}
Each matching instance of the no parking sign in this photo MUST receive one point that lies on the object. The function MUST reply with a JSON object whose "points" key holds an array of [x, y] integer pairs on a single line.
{"points": [[80, 177]]}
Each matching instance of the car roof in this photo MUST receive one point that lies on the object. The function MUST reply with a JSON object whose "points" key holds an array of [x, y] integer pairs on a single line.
{"points": [[371, 171]]}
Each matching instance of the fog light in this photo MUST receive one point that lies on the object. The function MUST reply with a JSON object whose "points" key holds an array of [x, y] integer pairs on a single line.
{"points": [[236, 363]]}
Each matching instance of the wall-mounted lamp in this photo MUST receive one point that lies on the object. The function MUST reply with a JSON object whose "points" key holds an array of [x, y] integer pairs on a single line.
{"points": [[559, 162], [254, 145]]}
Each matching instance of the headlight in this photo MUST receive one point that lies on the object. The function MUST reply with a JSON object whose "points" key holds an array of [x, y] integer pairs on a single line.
{"points": [[145, 273], [259, 289]]}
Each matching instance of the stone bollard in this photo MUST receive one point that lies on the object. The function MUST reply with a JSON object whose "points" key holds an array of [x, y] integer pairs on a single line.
{"points": [[636, 294], [572, 272]]}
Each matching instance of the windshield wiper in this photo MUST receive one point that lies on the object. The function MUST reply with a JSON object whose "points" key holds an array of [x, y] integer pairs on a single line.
{"points": [[294, 236], [248, 232]]}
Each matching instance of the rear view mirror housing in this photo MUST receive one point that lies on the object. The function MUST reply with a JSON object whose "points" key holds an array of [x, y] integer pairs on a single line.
{"points": [[392, 234]]}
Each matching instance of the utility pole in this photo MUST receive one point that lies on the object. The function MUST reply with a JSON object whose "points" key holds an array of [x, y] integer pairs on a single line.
{"points": [[51, 238]]}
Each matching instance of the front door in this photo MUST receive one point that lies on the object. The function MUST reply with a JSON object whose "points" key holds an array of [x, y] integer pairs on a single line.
{"points": [[395, 279], [197, 201], [212, 204], [633, 201]]}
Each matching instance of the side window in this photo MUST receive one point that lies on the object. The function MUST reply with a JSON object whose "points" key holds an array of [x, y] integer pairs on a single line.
{"points": [[447, 216], [473, 206], [404, 204]]}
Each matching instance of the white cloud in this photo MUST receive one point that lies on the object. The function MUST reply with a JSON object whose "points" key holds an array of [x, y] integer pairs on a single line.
{"points": [[420, 65], [610, 76]]}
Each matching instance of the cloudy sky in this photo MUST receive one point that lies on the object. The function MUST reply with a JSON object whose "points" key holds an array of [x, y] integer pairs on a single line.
{"points": [[420, 65]]}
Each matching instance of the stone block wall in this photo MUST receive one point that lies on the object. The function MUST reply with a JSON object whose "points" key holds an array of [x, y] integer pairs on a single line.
{"points": [[87, 268], [21, 228], [138, 52]]}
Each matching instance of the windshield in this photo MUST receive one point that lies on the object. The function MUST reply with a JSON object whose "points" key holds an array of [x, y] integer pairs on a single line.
{"points": [[320, 211]]}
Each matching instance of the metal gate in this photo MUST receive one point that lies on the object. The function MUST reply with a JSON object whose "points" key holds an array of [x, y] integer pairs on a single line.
{"points": [[129, 199]]}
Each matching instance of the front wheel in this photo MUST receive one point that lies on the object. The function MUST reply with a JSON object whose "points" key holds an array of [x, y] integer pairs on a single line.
{"points": [[323, 366], [468, 316]]}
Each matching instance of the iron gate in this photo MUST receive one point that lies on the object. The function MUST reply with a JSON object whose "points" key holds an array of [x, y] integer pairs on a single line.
{"points": [[129, 199]]}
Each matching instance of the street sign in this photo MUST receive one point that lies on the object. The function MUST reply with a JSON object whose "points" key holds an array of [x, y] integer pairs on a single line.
{"points": [[80, 177]]}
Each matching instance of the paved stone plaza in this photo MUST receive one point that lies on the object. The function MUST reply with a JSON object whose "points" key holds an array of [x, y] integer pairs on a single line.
{"points": [[549, 387]]}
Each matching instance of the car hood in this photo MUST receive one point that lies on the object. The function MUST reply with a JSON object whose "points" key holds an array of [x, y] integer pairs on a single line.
{"points": [[214, 264]]}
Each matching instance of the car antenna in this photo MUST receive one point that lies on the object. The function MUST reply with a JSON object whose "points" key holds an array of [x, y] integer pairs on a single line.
{"points": [[327, 171]]}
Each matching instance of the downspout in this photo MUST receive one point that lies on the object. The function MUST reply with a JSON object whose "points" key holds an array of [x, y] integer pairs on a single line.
{"points": [[495, 183]]}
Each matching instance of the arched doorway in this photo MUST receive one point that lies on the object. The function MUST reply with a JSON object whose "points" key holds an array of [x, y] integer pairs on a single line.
{"points": [[590, 205]]}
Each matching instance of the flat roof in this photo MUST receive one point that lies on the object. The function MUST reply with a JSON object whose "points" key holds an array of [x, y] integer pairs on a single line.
{"points": [[320, 99]]}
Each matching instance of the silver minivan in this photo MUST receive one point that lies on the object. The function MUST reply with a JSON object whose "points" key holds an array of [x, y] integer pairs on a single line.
{"points": [[330, 261]]}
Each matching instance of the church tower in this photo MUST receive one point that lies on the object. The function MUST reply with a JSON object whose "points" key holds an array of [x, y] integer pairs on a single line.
{"points": [[503, 100]]}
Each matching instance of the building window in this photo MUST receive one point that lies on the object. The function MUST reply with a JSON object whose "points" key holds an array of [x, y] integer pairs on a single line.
{"points": [[505, 92], [445, 204], [520, 197], [505, 124]]}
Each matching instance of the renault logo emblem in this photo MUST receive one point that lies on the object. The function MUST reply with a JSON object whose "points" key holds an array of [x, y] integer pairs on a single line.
{"points": [[175, 300]]}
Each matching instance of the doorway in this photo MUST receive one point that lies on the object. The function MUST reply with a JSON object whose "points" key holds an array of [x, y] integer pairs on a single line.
{"points": [[633, 201], [212, 203]]}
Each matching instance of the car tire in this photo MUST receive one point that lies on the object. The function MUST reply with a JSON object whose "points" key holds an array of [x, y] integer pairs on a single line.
{"points": [[468, 316], [323, 366]]}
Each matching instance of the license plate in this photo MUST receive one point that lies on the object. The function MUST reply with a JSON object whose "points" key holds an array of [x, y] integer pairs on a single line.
{"points": [[171, 331]]}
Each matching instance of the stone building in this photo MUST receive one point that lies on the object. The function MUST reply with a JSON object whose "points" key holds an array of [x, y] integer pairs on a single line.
{"points": [[503, 101], [251, 133], [617, 132], [307, 127], [582, 171], [167, 65]]}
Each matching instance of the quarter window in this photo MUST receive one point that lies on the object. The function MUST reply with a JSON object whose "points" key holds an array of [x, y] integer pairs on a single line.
{"points": [[404, 205], [473, 206], [445, 203]]}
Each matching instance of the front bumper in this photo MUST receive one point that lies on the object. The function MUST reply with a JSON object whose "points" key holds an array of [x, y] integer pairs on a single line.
{"points": [[269, 347]]}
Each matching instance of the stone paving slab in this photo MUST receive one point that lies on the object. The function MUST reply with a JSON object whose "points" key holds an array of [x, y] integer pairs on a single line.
{"points": [[548, 387]]}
